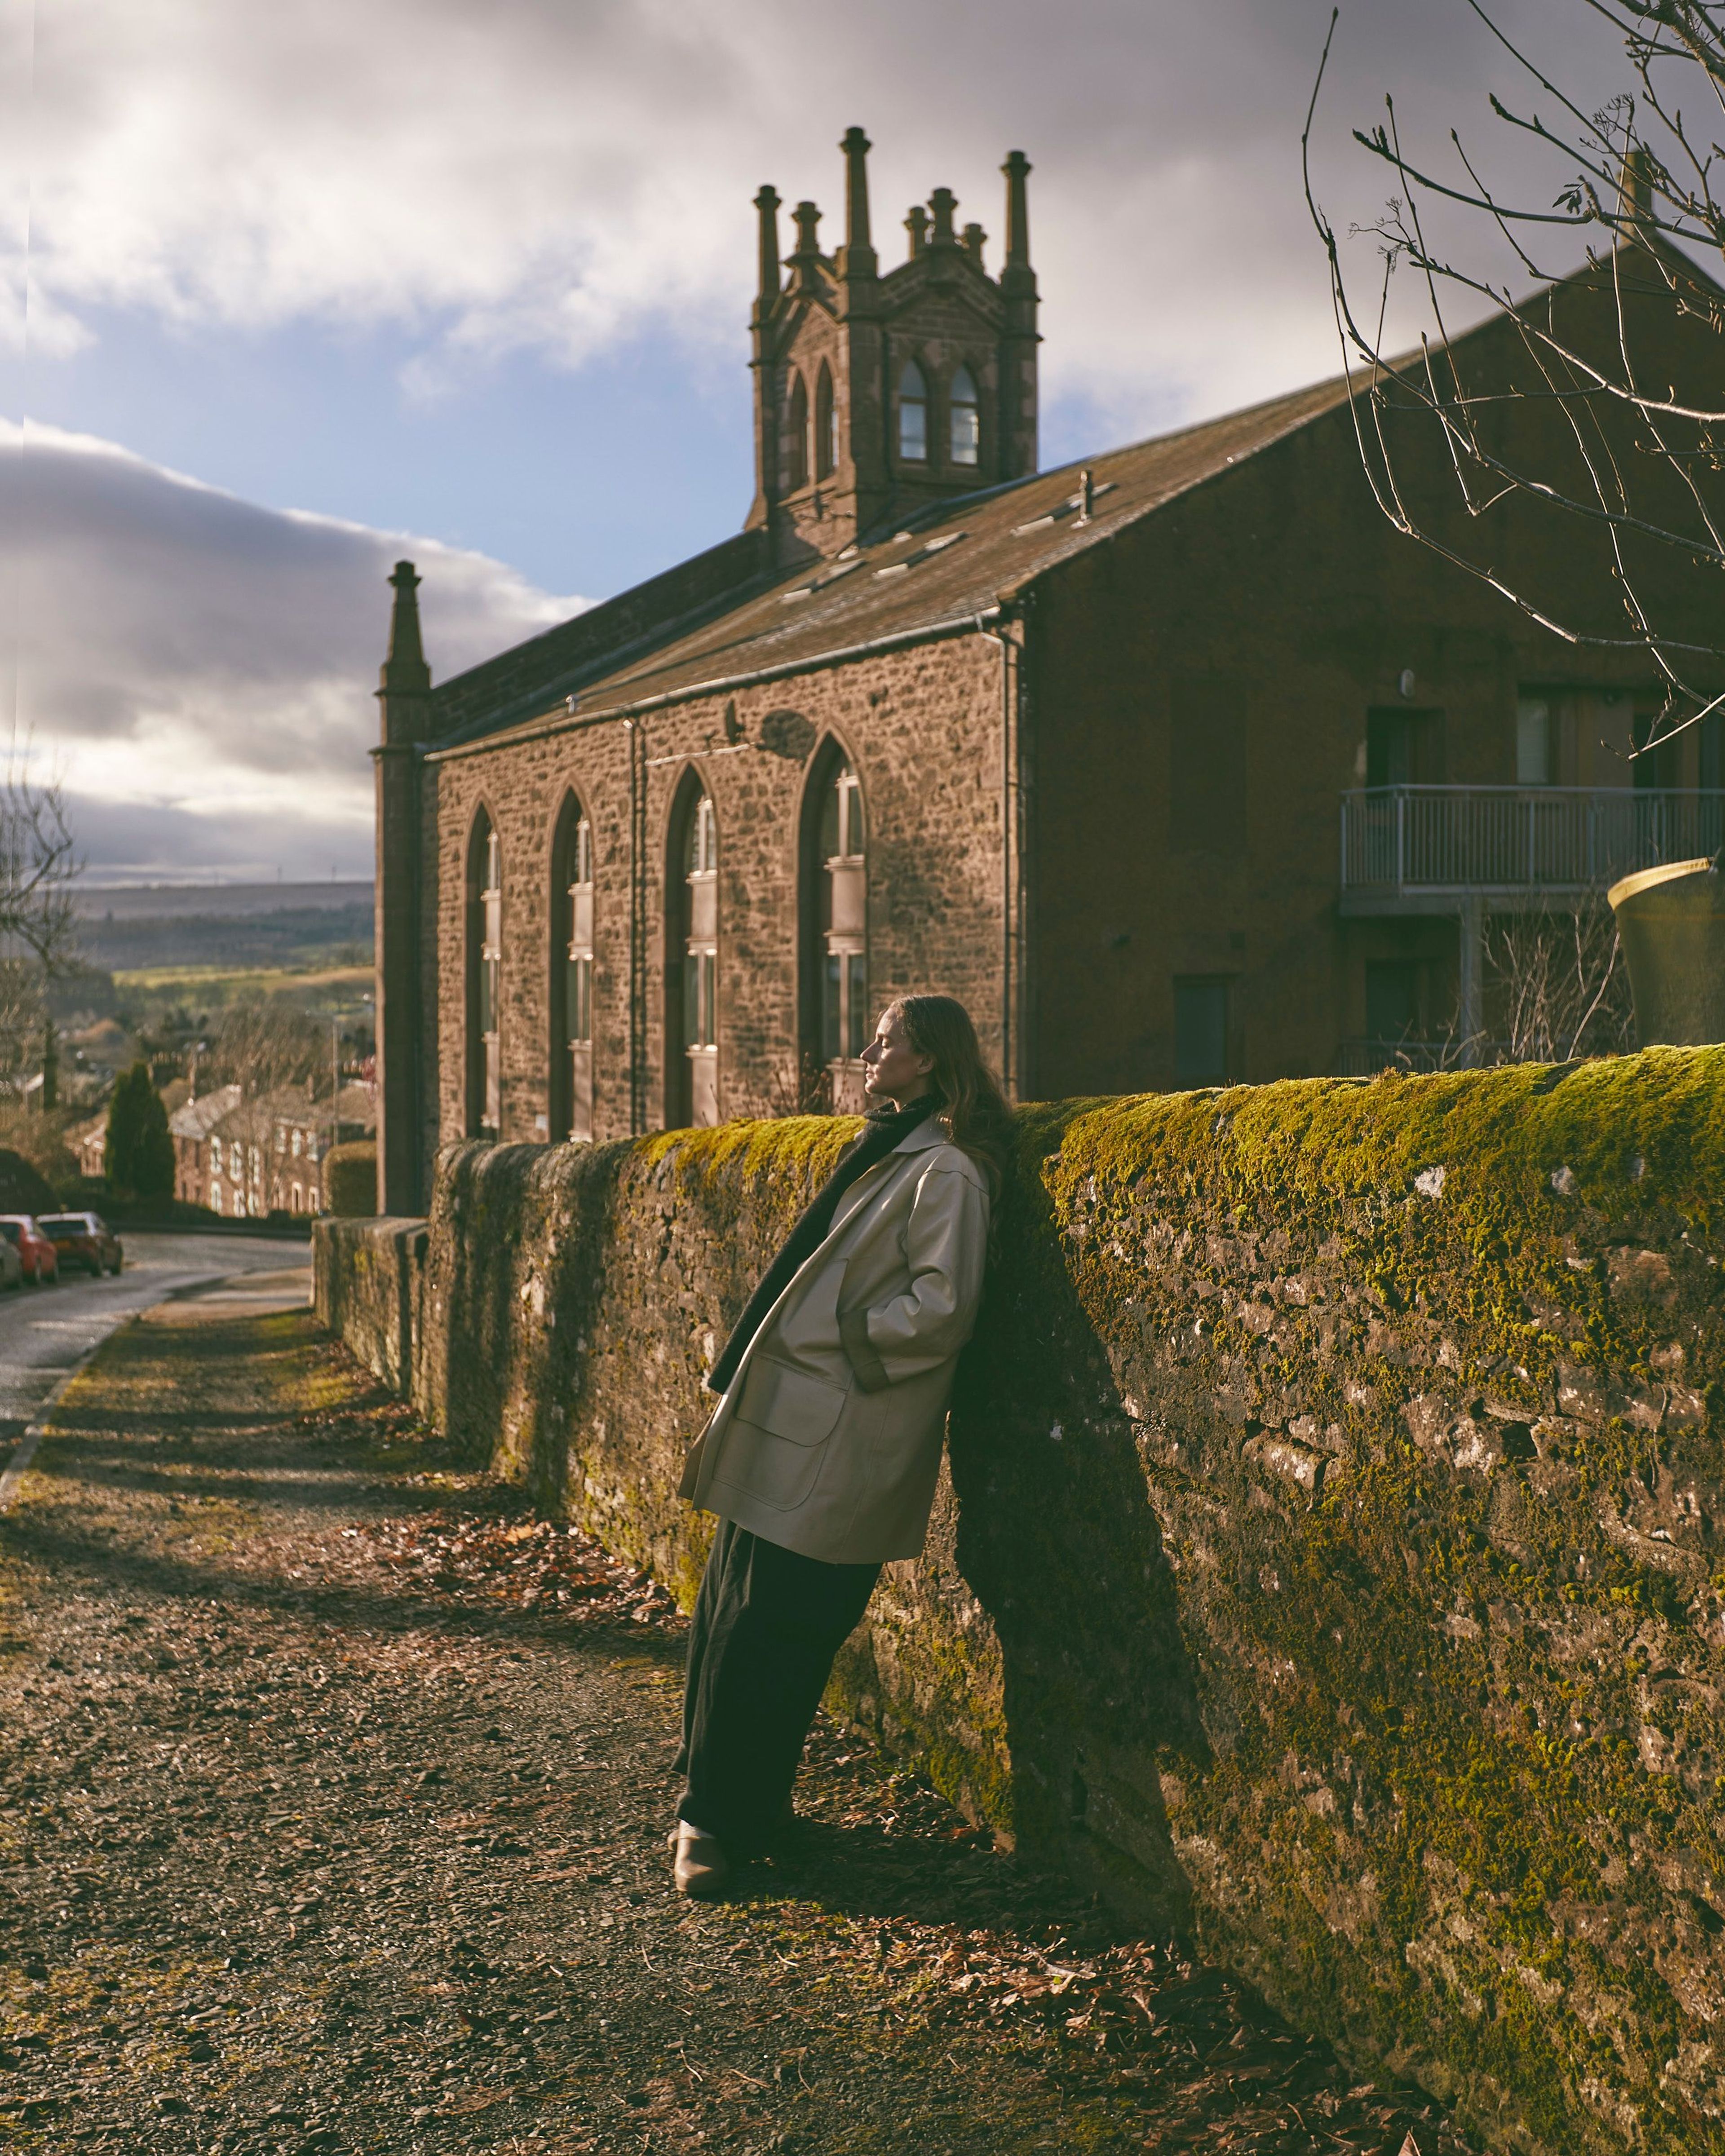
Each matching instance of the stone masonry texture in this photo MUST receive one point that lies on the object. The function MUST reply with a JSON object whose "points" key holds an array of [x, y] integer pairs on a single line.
{"points": [[1201, 669], [922, 730], [1330, 1559]]}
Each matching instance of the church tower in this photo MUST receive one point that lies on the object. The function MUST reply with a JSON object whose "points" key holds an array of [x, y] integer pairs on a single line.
{"points": [[877, 395]]}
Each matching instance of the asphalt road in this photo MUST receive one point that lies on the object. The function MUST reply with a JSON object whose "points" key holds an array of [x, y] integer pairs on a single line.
{"points": [[46, 1331]]}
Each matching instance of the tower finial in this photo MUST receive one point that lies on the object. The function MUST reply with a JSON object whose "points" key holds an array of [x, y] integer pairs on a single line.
{"points": [[917, 224], [1017, 169], [943, 202], [805, 256], [859, 257], [404, 672], [767, 208]]}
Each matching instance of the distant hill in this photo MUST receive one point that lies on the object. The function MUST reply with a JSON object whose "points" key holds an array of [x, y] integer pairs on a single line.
{"points": [[262, 924]]}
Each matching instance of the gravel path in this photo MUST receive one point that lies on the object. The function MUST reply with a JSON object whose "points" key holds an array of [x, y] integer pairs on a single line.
{"points": [[335, 1796]]}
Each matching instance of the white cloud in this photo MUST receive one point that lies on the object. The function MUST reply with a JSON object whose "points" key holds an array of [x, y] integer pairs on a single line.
{"points": [[562, 174], [197, 668]]}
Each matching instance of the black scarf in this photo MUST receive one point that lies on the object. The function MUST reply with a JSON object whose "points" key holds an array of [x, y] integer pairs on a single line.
{"points": [[883, 1129]]}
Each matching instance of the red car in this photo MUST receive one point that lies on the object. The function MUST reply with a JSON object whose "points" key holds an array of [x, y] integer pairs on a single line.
{"points": [[83, 1238], [37, 1254]]}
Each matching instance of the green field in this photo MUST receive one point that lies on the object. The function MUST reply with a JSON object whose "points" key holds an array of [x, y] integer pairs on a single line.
{"points": [[342, 991]]}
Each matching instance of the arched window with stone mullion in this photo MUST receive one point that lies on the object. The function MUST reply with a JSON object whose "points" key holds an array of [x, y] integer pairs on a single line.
{"points": [[836, 867], [796, 443], [484, 979], [571, 974], [964, 419], [912, 414]]}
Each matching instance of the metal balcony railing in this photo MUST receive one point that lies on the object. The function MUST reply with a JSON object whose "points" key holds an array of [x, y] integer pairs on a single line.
{"points": [[1519, 838]]}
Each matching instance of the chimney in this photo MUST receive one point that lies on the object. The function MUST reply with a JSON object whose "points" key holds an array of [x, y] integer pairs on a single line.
{"points": [[1635, 207], [943, 202], [766, 208], [974, 238], [1017, 169], [917, 224], [858, 259]]}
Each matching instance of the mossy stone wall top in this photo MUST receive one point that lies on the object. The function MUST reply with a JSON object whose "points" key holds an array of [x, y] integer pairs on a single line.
{"points": [[1331, 1555]]}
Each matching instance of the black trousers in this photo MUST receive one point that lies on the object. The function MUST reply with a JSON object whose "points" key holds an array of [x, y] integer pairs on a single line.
{"points": [[767, 1624]]}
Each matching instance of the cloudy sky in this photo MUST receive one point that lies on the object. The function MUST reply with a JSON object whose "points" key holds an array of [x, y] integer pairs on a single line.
{"points": [[289, 291]]}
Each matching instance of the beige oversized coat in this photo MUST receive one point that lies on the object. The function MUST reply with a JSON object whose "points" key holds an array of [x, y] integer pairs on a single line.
{"points": [[829, 1438]]}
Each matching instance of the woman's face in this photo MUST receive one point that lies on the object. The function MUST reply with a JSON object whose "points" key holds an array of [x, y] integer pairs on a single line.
{"points": [[893, 1071]]}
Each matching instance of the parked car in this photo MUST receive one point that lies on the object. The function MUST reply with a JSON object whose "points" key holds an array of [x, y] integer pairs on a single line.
{"points": [[83, 1238], [11, 1266], [39, 1262]]}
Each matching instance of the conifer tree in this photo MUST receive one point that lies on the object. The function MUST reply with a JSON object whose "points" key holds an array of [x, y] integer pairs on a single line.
{"points": [[139, 1158]]}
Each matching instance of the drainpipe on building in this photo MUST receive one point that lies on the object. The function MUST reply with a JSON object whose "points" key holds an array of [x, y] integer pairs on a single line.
{"points": [[1471, 1001], [1011, 659], [637, 733]]}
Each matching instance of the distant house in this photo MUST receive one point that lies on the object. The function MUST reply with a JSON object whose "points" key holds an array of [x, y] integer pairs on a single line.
{"points": [[246, 1159], [197, 1148], [89, 1145]]}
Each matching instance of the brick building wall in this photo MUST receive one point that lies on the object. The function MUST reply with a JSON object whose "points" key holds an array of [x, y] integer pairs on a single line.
{"points": [[921, 728], [1198, 694], [1210, 625]]}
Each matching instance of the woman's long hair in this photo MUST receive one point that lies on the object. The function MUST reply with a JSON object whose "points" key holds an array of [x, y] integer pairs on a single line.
{"points": [[975, 1116]]}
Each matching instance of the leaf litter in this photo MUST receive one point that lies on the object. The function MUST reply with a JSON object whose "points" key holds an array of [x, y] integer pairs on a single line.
{"points": [[220, 1986]]}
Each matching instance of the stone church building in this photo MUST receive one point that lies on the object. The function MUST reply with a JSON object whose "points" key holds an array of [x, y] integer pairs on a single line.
{"points": [[1124, 755]]}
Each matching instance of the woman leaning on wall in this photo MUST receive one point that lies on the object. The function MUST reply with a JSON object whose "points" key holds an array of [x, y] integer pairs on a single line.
{"points": [[821, 1457]]}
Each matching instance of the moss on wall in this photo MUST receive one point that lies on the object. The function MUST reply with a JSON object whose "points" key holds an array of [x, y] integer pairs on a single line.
{"points": [[1330, 1555]]}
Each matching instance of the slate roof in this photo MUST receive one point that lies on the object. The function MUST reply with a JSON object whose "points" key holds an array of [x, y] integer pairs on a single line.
{"points": [[952, 562], [355, 1106], [197, 1119]]}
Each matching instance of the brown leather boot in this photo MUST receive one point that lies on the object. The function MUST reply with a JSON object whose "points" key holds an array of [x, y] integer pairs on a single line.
{"points": [[700, 1867]]}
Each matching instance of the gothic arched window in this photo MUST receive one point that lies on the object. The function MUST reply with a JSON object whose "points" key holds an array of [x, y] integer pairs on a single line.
{"points": [[692, 967], [826, 425], [965, 419], [484, 979], [572, 956], [835, 886], [796, 436], [913, 414]]}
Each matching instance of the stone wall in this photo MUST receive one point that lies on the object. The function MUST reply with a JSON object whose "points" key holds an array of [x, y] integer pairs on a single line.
{"points": [[1330, 1561], [366, 1286]]}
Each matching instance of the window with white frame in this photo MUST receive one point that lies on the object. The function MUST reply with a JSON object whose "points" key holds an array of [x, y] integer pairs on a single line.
{"points": [[964, 419]]}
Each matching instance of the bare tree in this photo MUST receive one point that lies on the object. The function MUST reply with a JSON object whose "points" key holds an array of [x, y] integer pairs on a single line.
{"points": [[263, 1043], [1558, 985], [39, 866], [1626, 453]]}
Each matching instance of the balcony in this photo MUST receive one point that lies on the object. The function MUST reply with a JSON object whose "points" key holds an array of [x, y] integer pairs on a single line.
{"points": [[1433, 849]]}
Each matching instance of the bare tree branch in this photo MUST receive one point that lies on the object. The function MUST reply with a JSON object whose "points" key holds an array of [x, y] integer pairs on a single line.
{"points": [[1644, 461]]}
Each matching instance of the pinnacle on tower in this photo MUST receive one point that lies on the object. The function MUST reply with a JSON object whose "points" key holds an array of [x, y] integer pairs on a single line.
{"points": [[1017, 169], [404, 672], [805, 259], [858, 260], [766, 209]]}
